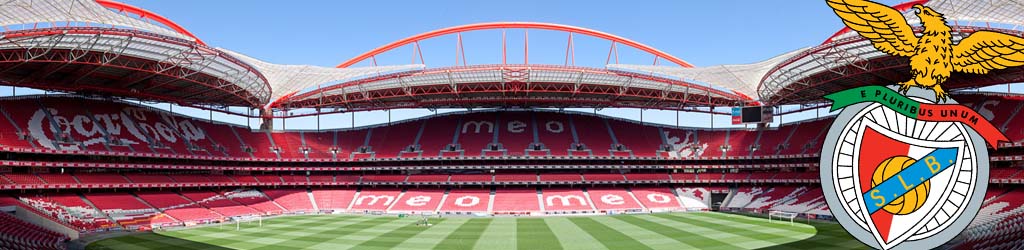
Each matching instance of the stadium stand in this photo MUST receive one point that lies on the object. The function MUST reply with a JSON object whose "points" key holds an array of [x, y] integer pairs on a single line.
{"points": [[642, 141], [18, 234], [195, 137], [613, 200], [54, 179], [694, 198], [107, 155], [391, 141], [333, 199], [997, 225], [486, 178], [647, 177], [375, 200], [232, 187], [148, 178], [657, 198], [219, 204], [603, 177], [464, 200], [178, 207], [292, 200], [29, 179], [515, 132], [561, 177], [516, 201], [418, 201], [565, 200], [594, 135], [255, 200], [507, 178], [431, 178], [554, 132]]}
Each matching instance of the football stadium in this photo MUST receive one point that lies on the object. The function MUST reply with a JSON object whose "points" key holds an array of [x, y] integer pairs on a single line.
{"points": [[120, 128]]}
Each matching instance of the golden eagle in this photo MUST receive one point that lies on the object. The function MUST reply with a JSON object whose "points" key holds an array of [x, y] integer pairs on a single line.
{"points": [[933, 56]]}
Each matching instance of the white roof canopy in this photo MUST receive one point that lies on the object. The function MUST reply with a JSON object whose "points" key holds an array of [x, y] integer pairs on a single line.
{"points": [[740, 78], [287, 79], [49, 13]]}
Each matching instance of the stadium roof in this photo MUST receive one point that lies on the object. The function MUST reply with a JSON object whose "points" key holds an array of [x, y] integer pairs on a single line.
{"points": [[845, 59], [111, 48], [508, 85], [54, 13], [288, 80], [742, 78]]}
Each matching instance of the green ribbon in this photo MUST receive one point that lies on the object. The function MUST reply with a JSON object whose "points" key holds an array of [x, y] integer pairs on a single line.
{"points": [[920, 111], [891, 99]]}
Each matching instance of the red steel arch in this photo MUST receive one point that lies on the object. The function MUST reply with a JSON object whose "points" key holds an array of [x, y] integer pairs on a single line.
{"points": [[515, 25], [148, 15]]}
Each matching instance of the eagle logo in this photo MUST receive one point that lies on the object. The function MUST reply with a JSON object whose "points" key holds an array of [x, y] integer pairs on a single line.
{"points": [[902, 167], [933, 56]]}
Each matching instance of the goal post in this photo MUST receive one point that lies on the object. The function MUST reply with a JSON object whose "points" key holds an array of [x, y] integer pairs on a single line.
{"points": [[782, 216], [247, 219]]}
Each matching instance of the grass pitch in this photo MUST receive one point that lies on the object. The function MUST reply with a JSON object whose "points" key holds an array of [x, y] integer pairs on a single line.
{"points": [[649, 231]]}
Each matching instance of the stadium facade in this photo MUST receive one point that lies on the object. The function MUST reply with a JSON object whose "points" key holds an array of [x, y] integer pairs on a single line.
{"points": [[89, 161]]}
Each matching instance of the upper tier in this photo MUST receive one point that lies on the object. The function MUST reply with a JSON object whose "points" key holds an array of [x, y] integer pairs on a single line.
{"points": [[62, 123]]}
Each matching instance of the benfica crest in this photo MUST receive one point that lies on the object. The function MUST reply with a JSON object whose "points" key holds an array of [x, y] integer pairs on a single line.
{"points": [[904, 172], [910, 171]]}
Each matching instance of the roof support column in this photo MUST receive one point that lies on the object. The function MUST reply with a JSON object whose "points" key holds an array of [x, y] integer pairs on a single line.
{"points": [[268, 119]]}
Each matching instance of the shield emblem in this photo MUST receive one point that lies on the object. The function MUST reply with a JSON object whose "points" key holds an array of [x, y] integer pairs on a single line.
{"points": [[874, 146], [880, 203]]}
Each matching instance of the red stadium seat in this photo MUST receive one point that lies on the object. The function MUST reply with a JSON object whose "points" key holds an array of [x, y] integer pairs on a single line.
{"points": [[654, 198], [418, 201], [293, 200], [18, 234], [514, 200], [561, 200], [375, 200], [467, 201], [333, 199], [613, 199]]}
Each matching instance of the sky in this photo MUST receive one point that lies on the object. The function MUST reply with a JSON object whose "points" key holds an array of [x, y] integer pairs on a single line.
{"points": [[326, 33]]}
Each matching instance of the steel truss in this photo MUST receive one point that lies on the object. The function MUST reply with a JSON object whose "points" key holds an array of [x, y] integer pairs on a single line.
{"points": [[852, 62], [513, 86], [127, 62]]}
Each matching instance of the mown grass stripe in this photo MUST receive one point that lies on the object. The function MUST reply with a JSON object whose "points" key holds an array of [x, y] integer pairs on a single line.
{"points": [[395, 237], [534, 233], [825, 234], [499, 235], [465, 236], [571, 236], [758, 221], [151, 241], [828, 235], [313, 239], [684, 237], [678, 231], [270, 229], [780, 230], [433, 235], [726, 227], [230, 237], [609, 237]]}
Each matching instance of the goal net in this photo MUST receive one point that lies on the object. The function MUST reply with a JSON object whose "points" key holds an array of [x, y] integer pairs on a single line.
{"points": [[782, 216], [248, 221]]}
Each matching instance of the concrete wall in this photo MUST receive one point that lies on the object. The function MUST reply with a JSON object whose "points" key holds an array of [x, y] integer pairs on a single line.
{"points": [[39, 220]]}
